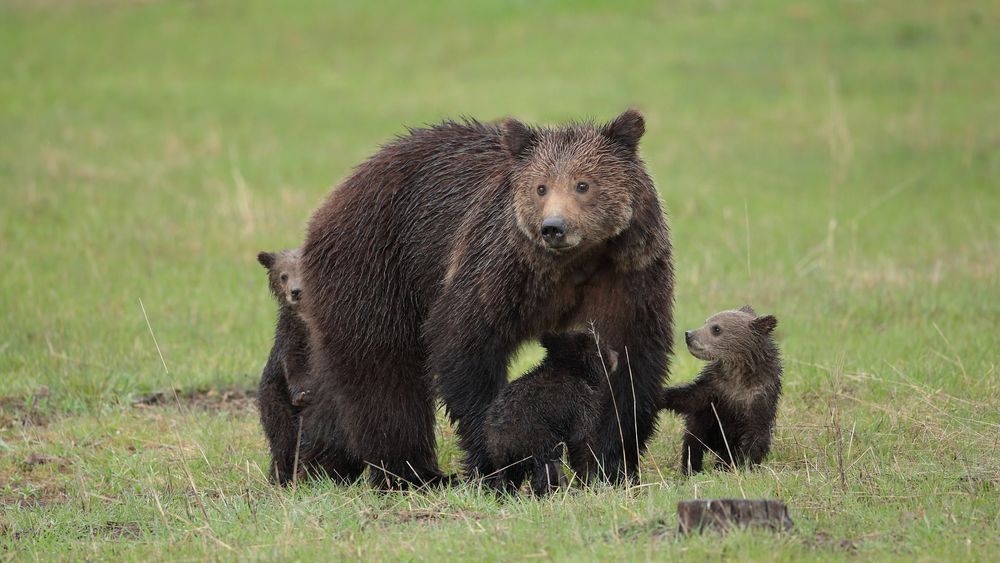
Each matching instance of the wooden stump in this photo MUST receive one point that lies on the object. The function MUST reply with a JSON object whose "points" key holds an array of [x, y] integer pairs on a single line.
{"points": [[723, 514]]}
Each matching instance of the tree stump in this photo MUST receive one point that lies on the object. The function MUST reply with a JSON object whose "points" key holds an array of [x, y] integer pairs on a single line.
{"points": [[696, 516]]}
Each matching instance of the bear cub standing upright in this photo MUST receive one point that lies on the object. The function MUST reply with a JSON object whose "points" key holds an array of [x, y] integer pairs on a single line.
{"points": [[731, 407], [556, 403], [282, 384]]}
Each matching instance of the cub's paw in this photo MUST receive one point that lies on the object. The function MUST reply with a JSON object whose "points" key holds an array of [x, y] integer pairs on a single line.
{"points": [[300, 398]]}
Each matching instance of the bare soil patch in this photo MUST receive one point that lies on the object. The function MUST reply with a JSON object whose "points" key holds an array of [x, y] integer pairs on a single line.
{"points": [[232, 398]]}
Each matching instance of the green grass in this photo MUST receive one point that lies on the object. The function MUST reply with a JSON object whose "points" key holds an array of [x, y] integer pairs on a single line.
{"points": [[834, 163]]}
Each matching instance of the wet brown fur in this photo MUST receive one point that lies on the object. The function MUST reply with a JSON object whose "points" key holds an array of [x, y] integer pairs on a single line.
{"points": [[283, 388], [556, 404], [731, 407], [422, 277]]}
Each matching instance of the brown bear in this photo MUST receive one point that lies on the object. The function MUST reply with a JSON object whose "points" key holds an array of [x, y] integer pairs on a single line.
{"points": [[556, 404], [426, 269], [286, 367], [730, 408]]}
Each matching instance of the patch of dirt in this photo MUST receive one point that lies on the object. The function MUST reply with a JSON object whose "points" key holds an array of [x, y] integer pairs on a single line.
{"points": [[419, 516], [24, 411], [37, 459], [656, 529], [113, 530], [823, 540], [980, 483], [28, 494], [8, 531], [232, 398]]}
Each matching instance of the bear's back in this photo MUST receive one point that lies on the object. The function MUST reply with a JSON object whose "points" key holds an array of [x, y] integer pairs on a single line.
{"points": [[539, 410]]}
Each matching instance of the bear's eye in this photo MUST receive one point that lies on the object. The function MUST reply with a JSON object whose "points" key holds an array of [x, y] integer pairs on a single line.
{"points": [[582, 187], [716, 330], [541, 189], [284, 277]]}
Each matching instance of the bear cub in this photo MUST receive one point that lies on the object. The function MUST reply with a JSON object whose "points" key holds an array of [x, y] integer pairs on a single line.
{"points": [[286, 287], [557, 403], [282, 388], [730, 408]]}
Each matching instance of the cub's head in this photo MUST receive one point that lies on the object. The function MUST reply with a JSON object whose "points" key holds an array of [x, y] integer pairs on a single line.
{"points": [[578, 351], [731, 334], [283, 275], [577, 186]]}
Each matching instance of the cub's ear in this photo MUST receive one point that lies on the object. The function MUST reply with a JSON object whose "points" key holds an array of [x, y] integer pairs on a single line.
{"points": [[612, 360], [748, 309], [626, 129], [266, 259], [764, 325], [517, 137]]}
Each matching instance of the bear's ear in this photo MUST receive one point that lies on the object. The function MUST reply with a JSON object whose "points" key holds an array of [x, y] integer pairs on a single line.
{"points": [[626, 129], [517, 137], [266, 259], [764, 325], [612, 359], [748, 309]]}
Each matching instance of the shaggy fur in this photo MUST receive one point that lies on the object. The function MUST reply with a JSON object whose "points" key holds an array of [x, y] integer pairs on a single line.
{"points": [[556, 404], [287, 367], [731, 407], [427, 268]]}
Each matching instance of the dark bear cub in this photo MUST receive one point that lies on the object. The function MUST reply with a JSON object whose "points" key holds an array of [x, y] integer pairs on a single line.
{"points": [[282, 384], [556, 404], [731, 407]]}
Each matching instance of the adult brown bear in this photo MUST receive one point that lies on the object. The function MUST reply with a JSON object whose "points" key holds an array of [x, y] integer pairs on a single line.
{"points": [[428, 267]]}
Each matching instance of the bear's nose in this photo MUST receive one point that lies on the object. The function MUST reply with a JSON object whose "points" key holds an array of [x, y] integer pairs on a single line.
{"points": [[296, 293], [687, 337], [553, 230]]}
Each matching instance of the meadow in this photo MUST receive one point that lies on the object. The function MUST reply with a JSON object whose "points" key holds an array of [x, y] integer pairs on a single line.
{"points": [[836, 164]]}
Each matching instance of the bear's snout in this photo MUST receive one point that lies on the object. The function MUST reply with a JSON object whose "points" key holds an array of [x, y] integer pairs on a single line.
{"points": [[296, 294], [688, 336], [554, 231]]}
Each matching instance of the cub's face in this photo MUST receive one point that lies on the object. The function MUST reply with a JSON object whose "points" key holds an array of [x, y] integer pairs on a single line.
{"points": [[574, 186], [729, 334], [283, 275]]}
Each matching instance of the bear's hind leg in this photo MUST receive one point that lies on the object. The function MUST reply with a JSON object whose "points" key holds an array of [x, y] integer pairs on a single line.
{"points": [[547, 471], [583, 461], [392, 430], [547, 476], [322, 447], [280, 422], [509, 478], [696, 441]]}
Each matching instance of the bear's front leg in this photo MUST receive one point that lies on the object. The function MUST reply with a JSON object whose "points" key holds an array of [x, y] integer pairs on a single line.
{"points": [[470, 360], [686, 399], [631, 312]]}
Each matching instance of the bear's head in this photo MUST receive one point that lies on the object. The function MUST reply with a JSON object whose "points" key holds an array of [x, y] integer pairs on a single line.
{"points": [[580, 353], [731, 335], [283, 275], [577, 186]]}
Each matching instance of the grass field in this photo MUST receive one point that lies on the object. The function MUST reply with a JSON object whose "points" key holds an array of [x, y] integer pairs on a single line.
{"points": [[834, 163]]}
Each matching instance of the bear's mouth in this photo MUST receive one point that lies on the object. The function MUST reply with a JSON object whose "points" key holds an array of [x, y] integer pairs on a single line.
{"points": [[560, 247], [697, 351]]}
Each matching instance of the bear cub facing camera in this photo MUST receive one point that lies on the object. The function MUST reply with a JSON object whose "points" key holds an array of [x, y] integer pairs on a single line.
{"points": [[282, 388], [556, 404], [731, 407], [286, 287]]}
